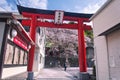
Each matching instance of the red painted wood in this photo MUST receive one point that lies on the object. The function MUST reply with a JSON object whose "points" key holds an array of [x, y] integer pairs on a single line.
{"points": [[81, 47], [17, 40], [26, 22], [87, 27], [45, 16], [32, 49], [52, 25], [80, 26], [42, 16]]}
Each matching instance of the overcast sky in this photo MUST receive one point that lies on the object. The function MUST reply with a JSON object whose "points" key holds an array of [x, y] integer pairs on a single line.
{"points": [[78, 6]]}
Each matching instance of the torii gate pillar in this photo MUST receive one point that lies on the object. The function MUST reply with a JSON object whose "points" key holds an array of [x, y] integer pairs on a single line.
{"points": [[82, 52], [33, 22], [32, 49]]}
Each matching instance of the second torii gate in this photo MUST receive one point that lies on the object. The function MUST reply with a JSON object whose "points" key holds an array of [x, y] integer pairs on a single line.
{"points": [[34, 20]]}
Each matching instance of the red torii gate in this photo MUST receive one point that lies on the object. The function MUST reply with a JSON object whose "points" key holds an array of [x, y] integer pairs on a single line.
{"points": [[33, 21]]}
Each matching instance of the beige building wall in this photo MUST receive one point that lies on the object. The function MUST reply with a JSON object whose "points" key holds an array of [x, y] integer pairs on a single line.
{"points": [[107, 18], [113, 40], [101, 57], [107, 47]]}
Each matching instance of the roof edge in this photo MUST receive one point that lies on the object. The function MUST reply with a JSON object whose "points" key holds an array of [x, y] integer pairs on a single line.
{"points": [[51, 12], [112, 29], [99, 10]]}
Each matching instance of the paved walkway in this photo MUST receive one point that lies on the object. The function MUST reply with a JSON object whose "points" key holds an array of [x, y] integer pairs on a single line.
{"points": [[52, 74]]}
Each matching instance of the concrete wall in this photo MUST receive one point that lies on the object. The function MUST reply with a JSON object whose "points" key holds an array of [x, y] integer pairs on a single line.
{"points": [[39, 51], [101, 57], [42, 47], [113, 40], [2, 28], [15, 56], [12, 71], [106, 19]]}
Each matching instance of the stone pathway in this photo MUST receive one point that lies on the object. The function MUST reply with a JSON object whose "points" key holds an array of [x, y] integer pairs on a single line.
{"points": [[54, 74], [72, 73]]}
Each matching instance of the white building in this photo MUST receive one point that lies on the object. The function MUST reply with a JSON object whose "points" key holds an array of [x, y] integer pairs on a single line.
{"points": [[39, 57], [16, 58], [106, 27]]}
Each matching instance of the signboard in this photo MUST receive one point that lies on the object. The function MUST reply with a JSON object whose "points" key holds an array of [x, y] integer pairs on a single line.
{"points": [[20, 42], [59, 17]]}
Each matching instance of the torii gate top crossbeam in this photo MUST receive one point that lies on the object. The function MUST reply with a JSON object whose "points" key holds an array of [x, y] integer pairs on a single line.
{"points": [[51, 12]]}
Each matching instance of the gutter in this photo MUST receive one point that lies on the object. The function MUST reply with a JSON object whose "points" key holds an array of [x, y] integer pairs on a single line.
{"points": [[101, 9]]}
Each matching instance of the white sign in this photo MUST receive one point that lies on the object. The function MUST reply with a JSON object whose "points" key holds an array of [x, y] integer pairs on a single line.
{"points": [[59, 17]]}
